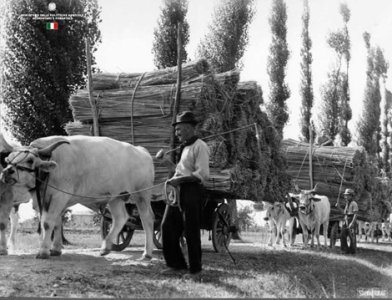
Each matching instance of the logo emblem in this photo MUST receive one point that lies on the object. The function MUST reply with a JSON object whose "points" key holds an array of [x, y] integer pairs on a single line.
{"points": [[52, 6]]}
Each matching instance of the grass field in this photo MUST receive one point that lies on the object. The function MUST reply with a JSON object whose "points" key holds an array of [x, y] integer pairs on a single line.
{"points": [[259, 271]]}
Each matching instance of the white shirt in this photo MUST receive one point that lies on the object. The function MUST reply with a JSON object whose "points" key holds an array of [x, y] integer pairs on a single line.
{"points": [[352, 208], [195, 161]]}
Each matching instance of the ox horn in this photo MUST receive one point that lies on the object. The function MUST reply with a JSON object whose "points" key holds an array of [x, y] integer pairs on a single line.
{"points": [[4, 145], [314, 188], [48, 150]]}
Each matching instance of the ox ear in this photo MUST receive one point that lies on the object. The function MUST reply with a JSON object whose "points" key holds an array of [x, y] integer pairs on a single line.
{"points": [[315, 199], [47, 152], [46, 166]]}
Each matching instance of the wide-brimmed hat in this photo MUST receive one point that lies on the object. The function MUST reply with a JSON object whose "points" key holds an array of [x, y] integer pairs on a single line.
{"points": [[185, 117], [349, 192]]}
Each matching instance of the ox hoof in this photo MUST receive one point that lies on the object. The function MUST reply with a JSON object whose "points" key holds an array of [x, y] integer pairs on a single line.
{"points": [[55, 252], [42, 256], [145, 257], [4, 252], [104, 252]]}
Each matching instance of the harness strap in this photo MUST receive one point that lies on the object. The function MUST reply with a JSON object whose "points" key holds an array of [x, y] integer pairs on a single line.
{"points": [[41, 178], [172, 195]]}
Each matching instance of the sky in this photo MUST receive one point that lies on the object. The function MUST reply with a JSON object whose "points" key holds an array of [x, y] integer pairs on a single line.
{"points": [[127, 37]]}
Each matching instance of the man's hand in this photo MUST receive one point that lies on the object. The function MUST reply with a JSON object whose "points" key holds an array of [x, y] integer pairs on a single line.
{"points": [[175, 181]]}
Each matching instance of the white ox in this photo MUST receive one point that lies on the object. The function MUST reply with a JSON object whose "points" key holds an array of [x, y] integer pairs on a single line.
{"points": [[9, 204], [313, 212], [374, 231], [279, 215], [93, 171], [7, 213], [363, 228], [386, 229]]}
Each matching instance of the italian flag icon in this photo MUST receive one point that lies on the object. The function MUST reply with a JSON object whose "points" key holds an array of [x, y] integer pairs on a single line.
{"points": [[52, 25]]}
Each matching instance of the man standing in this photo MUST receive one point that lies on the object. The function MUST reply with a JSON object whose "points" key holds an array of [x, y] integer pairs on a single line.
{"points": [[351, 208], [350, 224], [192, 171]]}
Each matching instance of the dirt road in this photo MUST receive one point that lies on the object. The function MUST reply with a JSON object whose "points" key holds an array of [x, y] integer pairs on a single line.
{"points": [[259, 271]]}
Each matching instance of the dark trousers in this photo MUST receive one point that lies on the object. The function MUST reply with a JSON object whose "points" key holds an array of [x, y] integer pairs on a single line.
{"points": [[186, 222]]}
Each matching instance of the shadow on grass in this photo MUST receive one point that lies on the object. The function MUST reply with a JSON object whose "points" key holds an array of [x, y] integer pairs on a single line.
{"points": [[314, 273], [259, 272]]}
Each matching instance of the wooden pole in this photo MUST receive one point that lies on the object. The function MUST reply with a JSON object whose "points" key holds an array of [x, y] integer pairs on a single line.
{"points": [[93, 105], [311, 156], [178, 89]]}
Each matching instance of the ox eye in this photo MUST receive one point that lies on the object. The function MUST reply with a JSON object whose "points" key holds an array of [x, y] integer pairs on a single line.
{"points": [[30, 161]]}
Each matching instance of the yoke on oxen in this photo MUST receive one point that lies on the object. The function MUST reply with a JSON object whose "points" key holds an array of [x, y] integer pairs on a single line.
{"points": [[88, 170]]}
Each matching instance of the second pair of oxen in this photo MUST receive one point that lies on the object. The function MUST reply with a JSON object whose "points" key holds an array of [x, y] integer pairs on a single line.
{"points": [[93, 171], [278, 214], [312, 211]]}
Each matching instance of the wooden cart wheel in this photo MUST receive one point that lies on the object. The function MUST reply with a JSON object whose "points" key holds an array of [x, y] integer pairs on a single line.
{"points": [[221, 233], [334, 235], [123, 238], [348, 241]]}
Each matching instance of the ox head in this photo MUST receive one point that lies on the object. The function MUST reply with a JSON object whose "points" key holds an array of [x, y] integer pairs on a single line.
{"points": [[24, 162], [275, 210], [306, 200]]}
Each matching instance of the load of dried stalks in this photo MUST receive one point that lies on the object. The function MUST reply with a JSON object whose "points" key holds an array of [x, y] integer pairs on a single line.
{"points": [[243, 166]]}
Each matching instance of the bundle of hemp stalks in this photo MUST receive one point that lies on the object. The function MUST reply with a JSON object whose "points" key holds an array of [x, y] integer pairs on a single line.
{"points": [[241, 166], [107, 81], [334, 170]]}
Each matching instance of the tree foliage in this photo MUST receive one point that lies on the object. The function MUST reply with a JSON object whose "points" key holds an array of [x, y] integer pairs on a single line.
{"points": [[335, 107], [345, 109], [227, 37], [165, 34], [385, 139], [277, 62], [328, 118], [306, 75], [368, 126], [245, 219], [43, 67]]}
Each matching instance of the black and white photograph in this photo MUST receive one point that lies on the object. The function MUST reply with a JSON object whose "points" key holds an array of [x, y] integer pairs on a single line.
{"points": [[195, 149]]}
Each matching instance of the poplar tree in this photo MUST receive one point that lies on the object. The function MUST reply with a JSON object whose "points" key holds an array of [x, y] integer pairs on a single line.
{"points": [[165, 34], [368, 126], [225, 43], [385, 146], [335, 111], [276, 68], [345, 109], [43, 67], [306, 75]]}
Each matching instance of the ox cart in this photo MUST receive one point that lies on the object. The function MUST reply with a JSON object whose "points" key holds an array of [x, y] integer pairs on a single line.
{"points": [[216, 218], [138, 108], [338, 230]]}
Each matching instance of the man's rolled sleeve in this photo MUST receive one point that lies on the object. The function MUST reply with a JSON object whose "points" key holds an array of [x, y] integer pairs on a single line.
{"points": [[202, 158]]}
